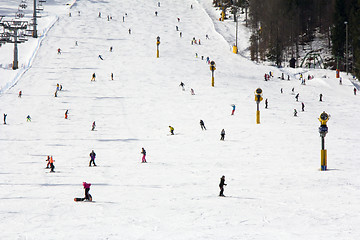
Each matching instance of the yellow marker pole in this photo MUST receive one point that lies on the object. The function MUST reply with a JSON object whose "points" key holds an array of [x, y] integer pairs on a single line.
{"points": [[258, 117], [235, 49], [212, 79], [323, 160], [157, 46], [157, 52]]}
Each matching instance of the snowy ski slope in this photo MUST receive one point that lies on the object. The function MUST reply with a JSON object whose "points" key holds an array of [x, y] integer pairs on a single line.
{"points": [[275, 189]]}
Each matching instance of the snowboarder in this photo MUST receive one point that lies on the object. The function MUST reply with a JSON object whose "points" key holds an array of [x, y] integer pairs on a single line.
{"points": [[295, 113], [66, 114], [93, 126], [320, 97], [266, 103], [100, 57], [20, 94], [202, 125], [354, 90], [192, 92], [28, 118], [48, 162], [112, 76], [297, 97], [221, 185], [233, 109], [59, 51], [93, 77], [206, 36], [52, 164], [302, 106], [143, 152], [5, 115], [222, 135], [92, 158], [88, 196], [171, 130], [182, 86]]}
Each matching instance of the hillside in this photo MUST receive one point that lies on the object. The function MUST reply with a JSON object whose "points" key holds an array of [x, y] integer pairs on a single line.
{"points": [[275, 189]]}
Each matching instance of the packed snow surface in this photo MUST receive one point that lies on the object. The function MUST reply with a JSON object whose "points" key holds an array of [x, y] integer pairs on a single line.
{"points": [[274, 187]]}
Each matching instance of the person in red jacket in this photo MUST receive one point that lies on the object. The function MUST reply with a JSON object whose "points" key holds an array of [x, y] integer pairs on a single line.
{"points": [[87, 189]]}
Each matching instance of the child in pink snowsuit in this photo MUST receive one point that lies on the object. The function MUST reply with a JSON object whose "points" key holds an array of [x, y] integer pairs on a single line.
{"points": [[143, 160]]}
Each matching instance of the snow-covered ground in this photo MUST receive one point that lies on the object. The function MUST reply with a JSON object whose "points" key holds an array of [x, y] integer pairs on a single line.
{"points": [[275, 189]]}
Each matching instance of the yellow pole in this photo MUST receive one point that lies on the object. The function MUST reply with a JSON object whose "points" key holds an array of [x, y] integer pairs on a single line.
{"points": [[323, 160], [157, 53], [258, 117], [212, 79]]}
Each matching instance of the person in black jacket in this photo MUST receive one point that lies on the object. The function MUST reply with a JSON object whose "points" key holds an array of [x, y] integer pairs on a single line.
{"points": [[92, 158], [202, 125], [222, 135], [221, 185]]}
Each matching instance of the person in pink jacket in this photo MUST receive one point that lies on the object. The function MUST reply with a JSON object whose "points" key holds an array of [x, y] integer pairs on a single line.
{"points": [[87, 189]]}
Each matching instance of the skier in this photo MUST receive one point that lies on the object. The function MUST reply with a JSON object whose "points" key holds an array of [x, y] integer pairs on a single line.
{"points": [[281, 90], [192, 92], [293, 89], [76, 43], [156, 13], [222, 135], [302, 106], [87, 189], [123, 18], [55, 94], [111, 48], [92, 158], [178, 19], [320, 97], [297, 97], [221, 185], [288, 77], [177, 28], [143, 152], [158, 4], [182, 85], [266, 103], [282, 76], [60, 87], [59, 51], [93, 77], [171, 130], [180, 34], [199, 42], [129, 30], [354, 91], [202, 125], [5, 115], [295, 113], [99, 15], [207, 36], [20, 93], [28, 118], [233, 109], [66, 114], [191, 6], [48, 162], [52, 164], [93, 126], [100, 57], [112, 76]]}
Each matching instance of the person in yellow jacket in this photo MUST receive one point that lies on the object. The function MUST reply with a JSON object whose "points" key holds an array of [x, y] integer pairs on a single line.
{"points": [[171, 130]]}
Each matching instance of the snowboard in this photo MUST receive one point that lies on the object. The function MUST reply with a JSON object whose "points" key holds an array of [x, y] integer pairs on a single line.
{"points": [[83, 199]]}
